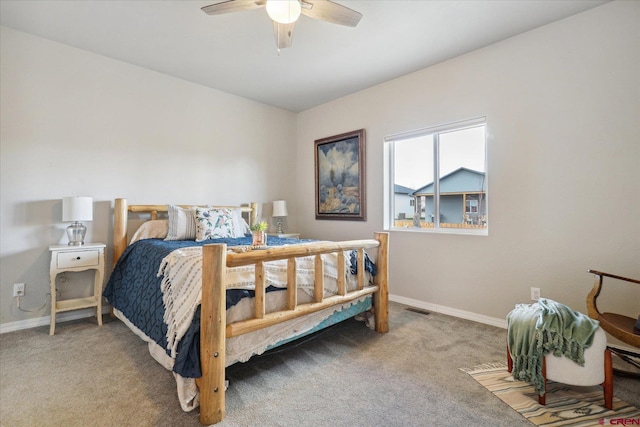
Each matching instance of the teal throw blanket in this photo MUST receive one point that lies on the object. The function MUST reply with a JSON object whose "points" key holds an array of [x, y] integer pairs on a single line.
{"points": [[535, 330]]}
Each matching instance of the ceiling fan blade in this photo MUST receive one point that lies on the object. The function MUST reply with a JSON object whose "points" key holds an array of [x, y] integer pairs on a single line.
{"points": [[284, 34], [331, 12], [230, 6]]}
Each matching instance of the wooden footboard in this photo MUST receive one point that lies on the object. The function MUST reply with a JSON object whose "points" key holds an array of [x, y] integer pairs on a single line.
{"points": [[214, 330]]}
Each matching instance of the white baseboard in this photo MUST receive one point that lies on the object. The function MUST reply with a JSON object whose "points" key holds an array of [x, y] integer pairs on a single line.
{"points": [[493, 321], [46, 320], [89, 312], [79, 314]]}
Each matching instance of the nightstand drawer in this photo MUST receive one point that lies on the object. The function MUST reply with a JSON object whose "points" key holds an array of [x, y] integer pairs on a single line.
{"points": [[77, 259]]}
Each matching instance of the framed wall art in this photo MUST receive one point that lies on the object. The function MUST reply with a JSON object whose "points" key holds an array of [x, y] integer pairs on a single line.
{"points": [[340, 177]]}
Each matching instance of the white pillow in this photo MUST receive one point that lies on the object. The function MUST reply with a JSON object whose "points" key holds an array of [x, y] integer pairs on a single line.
{"points": [[182, 223], [154, 229], [240, 225], [214, 223]]}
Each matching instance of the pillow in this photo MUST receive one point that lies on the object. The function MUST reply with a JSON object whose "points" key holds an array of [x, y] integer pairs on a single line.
{"points": [[182, 223], [239, 224], [154, 229], [214, 223]]}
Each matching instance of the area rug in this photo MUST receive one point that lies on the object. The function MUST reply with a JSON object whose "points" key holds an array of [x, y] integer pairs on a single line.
{"points": [[566, 405]]}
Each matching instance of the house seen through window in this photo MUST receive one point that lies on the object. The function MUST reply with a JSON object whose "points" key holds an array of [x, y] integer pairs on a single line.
{"points": [[437, 178]]}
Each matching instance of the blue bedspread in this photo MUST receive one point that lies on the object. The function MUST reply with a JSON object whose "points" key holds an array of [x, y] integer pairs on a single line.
{"points": [[134, 289]]}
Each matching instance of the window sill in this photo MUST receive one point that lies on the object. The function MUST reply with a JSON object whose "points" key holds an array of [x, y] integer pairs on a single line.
{"points": [[458, 231]]}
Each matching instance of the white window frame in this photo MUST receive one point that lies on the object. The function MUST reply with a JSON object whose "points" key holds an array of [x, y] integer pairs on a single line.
{"points": [[388, 175], [471, 203]]}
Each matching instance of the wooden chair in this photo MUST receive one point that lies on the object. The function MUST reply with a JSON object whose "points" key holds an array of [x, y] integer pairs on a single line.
{"points": [[619, 326]]}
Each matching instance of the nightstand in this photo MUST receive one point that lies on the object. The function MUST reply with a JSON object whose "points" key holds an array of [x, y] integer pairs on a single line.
{"points": [[285, 235], [66, 258]]}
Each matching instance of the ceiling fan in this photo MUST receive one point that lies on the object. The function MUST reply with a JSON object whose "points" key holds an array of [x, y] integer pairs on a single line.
{"points": [[285, 13]]}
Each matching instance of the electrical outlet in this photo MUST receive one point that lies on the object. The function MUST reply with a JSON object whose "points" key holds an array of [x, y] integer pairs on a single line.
{"points": [[535, 294], [18, 289]]}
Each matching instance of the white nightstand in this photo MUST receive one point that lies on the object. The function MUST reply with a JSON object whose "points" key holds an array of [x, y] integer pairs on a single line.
{"points": [[89, 256], [285, 235]]}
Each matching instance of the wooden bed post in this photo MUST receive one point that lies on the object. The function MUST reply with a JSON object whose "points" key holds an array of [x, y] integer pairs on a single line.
{"points": [[253, 216], [213, 325], [381, 298], [120, 215]]}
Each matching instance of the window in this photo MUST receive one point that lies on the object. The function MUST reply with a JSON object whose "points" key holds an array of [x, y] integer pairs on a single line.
{"points": [[472, 205], [442, 171]]}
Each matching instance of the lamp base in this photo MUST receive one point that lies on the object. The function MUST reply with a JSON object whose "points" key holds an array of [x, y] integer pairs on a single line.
{"points": [[76, 232], [279, 222]]}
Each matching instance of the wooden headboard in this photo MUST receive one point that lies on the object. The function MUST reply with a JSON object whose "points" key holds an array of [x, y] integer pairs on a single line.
{"points": [[121, 217]]}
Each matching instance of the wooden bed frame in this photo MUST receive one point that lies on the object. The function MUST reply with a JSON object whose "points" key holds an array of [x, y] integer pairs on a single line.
{"points": [[214, 330]]}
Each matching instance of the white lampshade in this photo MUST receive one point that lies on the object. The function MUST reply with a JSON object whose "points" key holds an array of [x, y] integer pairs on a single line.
{"points": [[284, 11], [77, 209], [279, 208]]}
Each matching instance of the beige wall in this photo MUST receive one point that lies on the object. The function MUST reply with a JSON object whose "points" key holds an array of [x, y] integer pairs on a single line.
{"points": [[563, 110], [75, 123]]}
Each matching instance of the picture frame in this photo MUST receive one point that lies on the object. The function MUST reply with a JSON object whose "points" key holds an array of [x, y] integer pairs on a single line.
{"points": [[340, 177]]}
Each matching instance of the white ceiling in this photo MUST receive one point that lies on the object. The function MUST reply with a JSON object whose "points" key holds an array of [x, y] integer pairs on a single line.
{"points": [[236, 52]]}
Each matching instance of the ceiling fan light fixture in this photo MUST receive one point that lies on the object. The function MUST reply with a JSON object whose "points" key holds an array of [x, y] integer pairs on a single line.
{"points": [[284, 11]]}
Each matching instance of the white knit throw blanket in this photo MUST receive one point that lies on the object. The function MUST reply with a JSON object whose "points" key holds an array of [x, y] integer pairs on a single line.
{"points": [[182, 284]]}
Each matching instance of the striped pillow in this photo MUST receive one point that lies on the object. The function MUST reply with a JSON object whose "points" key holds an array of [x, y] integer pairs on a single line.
{"points": [[182, 223]]}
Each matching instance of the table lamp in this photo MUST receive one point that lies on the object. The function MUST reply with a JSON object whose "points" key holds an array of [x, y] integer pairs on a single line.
{"points": [[279, 213], [74, 210]]}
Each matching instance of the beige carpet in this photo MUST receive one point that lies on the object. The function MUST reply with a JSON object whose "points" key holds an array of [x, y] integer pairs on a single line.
{"points": [[566, 405], [347, 375]]}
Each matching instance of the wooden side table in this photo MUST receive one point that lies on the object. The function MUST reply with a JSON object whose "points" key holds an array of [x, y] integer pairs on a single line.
{"points": [[66, 258]]}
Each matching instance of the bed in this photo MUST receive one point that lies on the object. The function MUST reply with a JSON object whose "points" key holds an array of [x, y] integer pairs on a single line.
{"points": [[211, 314]]}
